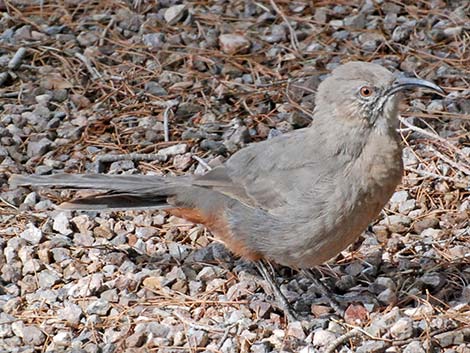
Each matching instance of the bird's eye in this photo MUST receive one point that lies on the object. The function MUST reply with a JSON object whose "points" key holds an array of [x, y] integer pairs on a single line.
{"points": [[366, 91]]}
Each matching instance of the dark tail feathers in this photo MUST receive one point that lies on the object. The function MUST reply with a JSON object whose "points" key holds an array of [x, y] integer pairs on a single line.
{"points": [[120, 192]]}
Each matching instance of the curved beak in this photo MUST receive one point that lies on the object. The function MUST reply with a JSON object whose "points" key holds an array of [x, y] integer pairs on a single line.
{"points": [[404, 83]]}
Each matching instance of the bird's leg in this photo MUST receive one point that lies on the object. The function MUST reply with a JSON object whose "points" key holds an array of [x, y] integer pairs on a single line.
{"points": [[268, 276], [324, 291]]}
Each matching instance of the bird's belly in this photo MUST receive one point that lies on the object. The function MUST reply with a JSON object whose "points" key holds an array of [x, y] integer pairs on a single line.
{"points": [[336, 234]]}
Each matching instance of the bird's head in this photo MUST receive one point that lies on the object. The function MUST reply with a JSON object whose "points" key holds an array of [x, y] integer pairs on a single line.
{"points": [[365, 93]]}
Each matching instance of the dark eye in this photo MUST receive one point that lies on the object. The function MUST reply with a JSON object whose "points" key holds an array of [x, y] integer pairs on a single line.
{"points": [[366, 91]]}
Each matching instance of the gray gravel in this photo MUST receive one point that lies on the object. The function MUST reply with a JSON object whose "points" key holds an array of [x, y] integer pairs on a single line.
{"points": [[176, 88]]}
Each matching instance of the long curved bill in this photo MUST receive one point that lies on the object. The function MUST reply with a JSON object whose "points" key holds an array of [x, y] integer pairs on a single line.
{"points": [[404, 83]]}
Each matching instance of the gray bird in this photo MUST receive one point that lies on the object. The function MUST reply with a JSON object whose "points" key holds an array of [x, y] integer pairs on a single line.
{"points": [[297, 199]]}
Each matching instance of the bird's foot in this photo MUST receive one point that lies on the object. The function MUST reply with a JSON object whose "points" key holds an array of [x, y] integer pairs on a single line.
{"points": [[282, 302], [325, 291]]}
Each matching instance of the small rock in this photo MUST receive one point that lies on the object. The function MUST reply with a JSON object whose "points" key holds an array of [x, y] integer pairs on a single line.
{"points": [[145, 233], [425, 223], [407, 206], [389, 8], [246, 337], [98, 307], [60, 254], [434, 234], [83, 223], [432, 280], [308, 349], [207, 274], [103, 231], [61, 224], [435, 105], [458, 251], [5, 325], [71, 313], [399, 197], [43, 99], [31, 198], [137, 339], [340, 10], [87, 286], [263, 309], [182, 161], [215, 146], [356, 314], [186, 110], [409, 157], [402, 329], [401, 33], [23, 33], [236, 316], [372, 347], [323, 338], [32, 234], [62, 339], [157, 330], [229, 346], [155, 88], [197, 338], [178, 251], [234, 44], [397, 223], [80, 101], [215, 285], [38, 148], [174, 14], [385, 282], [381, 323], [154, 41], [111, 295], [319, 310], [422, 311], [173, 150], [336, 23], [278, 34], [387, 297], [414, 347], [355, 268], [356, 21], [346, 282], [120, 166], [83, 239], [33, 336], [296, 330], [390, 22], [261, 347], [87, 39], [451, 338], [453, 31], [238, 136], [47, 278], [321, 15]]}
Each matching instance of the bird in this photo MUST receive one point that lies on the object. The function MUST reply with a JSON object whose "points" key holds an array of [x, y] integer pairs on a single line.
{"points": [[297, 199]]}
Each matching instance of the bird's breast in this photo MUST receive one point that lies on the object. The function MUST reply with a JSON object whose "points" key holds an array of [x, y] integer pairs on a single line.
{"points": [[356, 199]]}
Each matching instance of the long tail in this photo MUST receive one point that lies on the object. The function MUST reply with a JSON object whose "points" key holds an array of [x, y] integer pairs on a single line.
{"points": [[117, 192]]}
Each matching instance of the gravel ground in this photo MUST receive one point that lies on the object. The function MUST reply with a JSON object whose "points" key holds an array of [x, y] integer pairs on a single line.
{"points": [[173, 87]]}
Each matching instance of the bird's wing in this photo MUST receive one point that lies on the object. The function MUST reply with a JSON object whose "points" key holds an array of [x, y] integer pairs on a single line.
{"points": [[275, 173]]}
